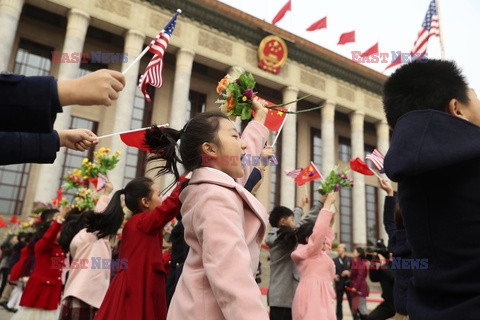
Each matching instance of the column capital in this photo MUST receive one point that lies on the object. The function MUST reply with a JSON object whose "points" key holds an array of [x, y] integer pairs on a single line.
{"points": [[186, 51], [135, 33], [78, 13], [329, 102], [291, 89]]}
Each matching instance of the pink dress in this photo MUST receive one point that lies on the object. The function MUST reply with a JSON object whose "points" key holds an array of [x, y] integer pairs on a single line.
{"points": [[315, 296]]}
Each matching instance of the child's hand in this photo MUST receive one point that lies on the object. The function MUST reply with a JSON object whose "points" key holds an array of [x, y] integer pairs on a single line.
{"points": [[260, 111], [267, 152], [330, 200], [386, 186], [108, 188]]}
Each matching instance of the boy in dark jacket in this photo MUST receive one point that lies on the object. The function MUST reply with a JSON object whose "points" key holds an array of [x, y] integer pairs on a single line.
{"points": [[434, 156]]}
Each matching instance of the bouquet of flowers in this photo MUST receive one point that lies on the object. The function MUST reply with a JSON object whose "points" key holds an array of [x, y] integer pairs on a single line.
{"points": [[334, 181], [89, 172], [236, 95]]}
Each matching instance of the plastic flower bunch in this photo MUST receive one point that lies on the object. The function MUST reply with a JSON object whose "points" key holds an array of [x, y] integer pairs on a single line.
{"points": [[334, 181], [74, 180], [236, 95], [85, 199], [105, 161]]}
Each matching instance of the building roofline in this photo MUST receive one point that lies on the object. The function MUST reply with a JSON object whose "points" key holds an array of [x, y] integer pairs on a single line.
{"points": [[241, 25]]}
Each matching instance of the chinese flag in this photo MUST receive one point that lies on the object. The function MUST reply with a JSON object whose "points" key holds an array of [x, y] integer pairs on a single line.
{"points": [[370, 51], [347, 37], [274, 118], [282, 12], [359, 166], [320, 24], [308, 174]]}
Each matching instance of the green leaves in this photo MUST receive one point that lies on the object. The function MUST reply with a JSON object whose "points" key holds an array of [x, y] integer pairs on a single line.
{"points": [[334, 181]]}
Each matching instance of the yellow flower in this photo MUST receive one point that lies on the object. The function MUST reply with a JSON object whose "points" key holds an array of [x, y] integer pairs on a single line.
{"points": [[77, 173], [85, 160], [118, 153], [244, 98]]}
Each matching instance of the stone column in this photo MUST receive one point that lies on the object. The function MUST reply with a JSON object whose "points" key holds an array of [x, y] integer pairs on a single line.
{"points": [[181, 87], [289, 149], [77, 26], [383, 143], [10, 11], [359, 205], [134, 43], [328, 137]]}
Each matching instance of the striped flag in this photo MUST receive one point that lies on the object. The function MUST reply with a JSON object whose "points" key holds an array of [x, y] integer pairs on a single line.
{"points": [[293, 173], [430, 27], [153, 72], [377, 159]]}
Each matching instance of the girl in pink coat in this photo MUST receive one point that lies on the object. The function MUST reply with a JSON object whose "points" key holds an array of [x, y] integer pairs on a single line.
{"points": [[315, 296], [224, 223]]}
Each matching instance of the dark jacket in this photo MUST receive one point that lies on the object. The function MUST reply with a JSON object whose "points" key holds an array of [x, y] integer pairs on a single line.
{"points": [[400, 248], [435, 159], [29, 107], [340, 266], [385, 276]]}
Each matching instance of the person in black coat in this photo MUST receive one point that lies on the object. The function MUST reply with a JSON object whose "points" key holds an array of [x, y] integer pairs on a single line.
{"points": [[343, 266], [381, 272], [29, 108], [434, 156]]}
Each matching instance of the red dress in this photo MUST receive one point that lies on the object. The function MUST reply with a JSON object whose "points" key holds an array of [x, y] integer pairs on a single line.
{"points": [[44, 288], [138, 292]]}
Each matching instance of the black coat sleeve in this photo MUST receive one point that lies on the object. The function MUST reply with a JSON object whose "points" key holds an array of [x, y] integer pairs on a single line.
{"points": [[253, 179], [25, 147], [29, 104]]}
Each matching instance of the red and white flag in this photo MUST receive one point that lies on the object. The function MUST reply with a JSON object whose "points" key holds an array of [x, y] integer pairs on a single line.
{"points": [[430, 27], [153, 72], [377, 159], [292, 173], [308, 174]]}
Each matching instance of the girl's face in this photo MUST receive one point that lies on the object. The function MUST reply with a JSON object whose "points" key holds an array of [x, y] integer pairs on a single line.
{"points": [[355, 253], [155, 200], [227, 154]]}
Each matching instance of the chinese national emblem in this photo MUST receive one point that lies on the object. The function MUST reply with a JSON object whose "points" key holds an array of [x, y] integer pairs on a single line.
{"points": [[272, 54]]}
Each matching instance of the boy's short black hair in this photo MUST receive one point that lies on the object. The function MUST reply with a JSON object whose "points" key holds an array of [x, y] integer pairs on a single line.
{"points": [[423, 85], [279, 213]]}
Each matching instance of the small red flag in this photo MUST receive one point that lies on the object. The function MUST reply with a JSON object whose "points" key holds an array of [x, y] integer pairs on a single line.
{"points": [[395, 62], [320, 24], [308, 174], [369, 52], [347, 37], [275, 118], [359, 166], [136, 139], [282, 12]]}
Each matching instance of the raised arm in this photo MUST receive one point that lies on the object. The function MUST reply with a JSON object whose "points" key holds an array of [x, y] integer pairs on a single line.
{"points": [[322, 225], [152, 222], [218, 222]]}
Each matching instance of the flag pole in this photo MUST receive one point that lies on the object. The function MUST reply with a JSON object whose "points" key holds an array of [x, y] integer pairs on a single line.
{"points": [[129, 131], [442, 48], [280, 130], [140, 56]]}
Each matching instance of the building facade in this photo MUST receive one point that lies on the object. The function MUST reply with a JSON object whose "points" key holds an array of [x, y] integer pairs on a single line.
{"points": [[210, 40]]}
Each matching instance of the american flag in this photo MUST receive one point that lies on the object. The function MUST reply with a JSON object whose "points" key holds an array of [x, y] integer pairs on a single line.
{"points": [[377, 159], [293, 173], [430, 27], [153, 72]]}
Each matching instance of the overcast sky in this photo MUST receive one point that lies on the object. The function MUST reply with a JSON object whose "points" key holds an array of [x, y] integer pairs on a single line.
{"points": [[394, 24]]}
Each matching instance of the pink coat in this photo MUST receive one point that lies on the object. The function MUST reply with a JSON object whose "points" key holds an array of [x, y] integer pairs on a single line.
{"points": [[315, 295], [224, 227]]}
